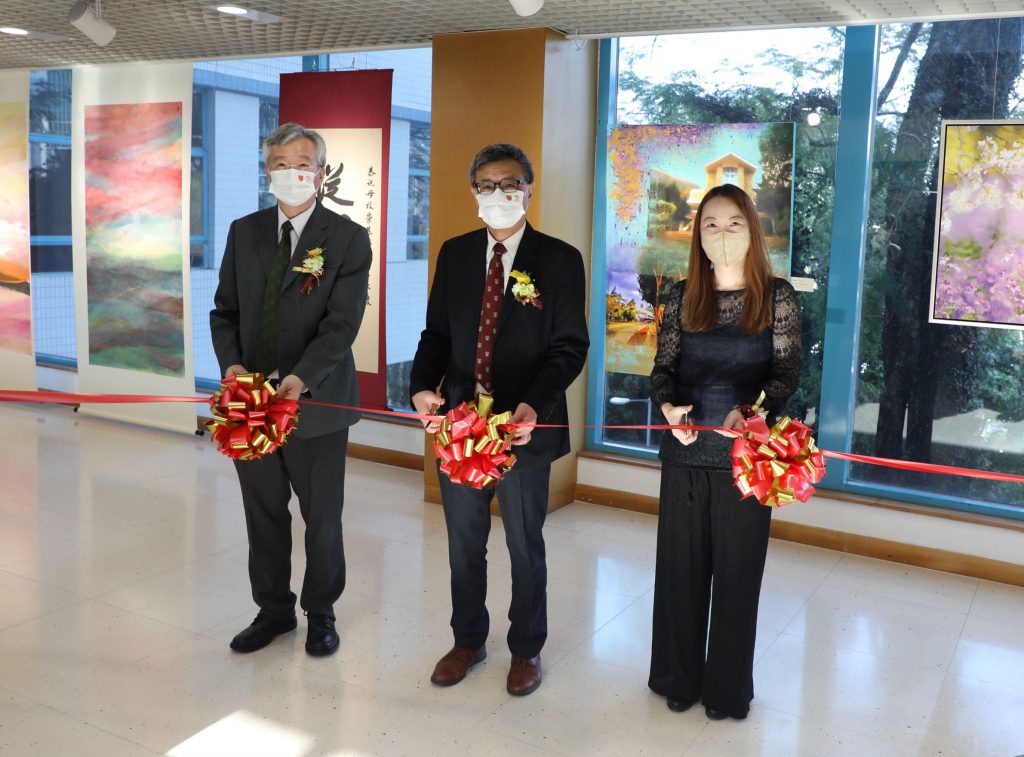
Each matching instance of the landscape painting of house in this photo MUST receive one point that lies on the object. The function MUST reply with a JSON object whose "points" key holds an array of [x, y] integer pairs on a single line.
{"points": [[657, 178]]}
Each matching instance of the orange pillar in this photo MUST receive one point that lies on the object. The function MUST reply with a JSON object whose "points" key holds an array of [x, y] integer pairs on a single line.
{"points": [[538, 90]]}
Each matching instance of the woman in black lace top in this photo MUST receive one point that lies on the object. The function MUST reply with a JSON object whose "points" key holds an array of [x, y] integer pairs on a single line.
{"points": [[728, 332]]}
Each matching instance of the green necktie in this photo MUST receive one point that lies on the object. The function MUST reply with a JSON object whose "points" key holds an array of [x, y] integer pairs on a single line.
{"points": [[266, 352]]}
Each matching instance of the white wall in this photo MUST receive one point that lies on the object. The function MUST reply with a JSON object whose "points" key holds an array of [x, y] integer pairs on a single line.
{"points": [[822, 511]]}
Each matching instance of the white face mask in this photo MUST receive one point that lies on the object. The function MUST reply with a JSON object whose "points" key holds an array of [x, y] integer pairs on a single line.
{"points": [[501, 210], [292, 186], [726, 248]]}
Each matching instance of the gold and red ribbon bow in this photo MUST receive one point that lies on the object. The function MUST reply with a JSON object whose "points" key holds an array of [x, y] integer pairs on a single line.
{"points": [[776, 465], [249, 419], [473, 445]]}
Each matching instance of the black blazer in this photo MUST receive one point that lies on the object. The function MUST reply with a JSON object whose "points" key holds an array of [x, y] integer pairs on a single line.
{"points": [[537, 352], [316, 329]]}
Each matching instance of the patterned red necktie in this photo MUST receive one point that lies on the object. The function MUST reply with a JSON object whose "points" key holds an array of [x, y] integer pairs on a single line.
{"points": [[494, 293]]}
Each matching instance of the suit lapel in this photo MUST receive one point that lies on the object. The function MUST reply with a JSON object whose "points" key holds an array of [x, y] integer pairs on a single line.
{"points": [[476, 279], [266, 239], [314, 234], [525, 262]]}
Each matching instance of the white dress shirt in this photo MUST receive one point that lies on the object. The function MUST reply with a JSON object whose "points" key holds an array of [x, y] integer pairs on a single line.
{"points": [[508, 257], [298, 224]]}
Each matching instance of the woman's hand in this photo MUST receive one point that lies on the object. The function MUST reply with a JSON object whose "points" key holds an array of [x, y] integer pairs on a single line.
{"points": [[734, 420], [674, 414]]}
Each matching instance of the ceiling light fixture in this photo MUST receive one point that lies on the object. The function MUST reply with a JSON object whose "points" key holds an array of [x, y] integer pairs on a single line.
{"points": [[526, 7], [13, 30], [90, 22], [237, 11]]}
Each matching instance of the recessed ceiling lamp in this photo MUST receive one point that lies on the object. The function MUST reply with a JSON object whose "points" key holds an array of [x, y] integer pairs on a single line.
{"points": [[526, 7], [89, 21], [14, 31], [237, 11]]}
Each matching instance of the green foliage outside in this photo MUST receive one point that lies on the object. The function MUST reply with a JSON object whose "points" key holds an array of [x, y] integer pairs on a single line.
{"points": [[914, 372]]}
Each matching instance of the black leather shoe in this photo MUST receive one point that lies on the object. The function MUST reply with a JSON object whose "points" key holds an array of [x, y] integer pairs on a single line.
{"points": [[263, 630], [714, 714], [678, 705], [321, 637]]}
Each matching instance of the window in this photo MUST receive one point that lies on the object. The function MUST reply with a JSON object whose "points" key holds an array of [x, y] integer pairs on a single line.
{"points": [[419, 191], [776, 79], [941, 393], [53, 309]]}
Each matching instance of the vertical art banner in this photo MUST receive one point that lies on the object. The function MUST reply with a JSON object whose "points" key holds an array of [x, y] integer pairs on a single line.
{"points": [[133, 220], [352, 110], [17, 354], [657, 176], [130, 195], [978, 258]]}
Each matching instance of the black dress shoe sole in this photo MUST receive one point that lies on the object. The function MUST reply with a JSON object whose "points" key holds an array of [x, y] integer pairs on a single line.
{"points": [[445, 684], [245, 647]]}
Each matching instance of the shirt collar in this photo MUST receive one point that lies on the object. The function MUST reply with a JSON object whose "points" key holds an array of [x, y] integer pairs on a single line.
{"points": [[298, 222], [511, 244]]}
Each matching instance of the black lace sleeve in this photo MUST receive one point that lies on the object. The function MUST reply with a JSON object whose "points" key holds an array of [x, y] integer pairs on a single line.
{"points": [[663, 377], [785, 372]]}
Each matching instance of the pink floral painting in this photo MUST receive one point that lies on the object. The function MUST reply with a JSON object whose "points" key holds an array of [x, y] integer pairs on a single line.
{"points": [[15, 300], [134, 246], [978, 276]]}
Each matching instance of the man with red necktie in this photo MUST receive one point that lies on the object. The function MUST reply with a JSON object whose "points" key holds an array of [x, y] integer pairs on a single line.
{"points": [[522, 339]]}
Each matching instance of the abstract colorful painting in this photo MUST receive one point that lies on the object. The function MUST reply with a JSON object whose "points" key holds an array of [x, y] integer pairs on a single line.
{"points": [[657, 176], [15, 252], [978, 273], [134, 245]]}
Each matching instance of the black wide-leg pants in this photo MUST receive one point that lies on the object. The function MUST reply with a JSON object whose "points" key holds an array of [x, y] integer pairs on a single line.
{"points": [[315, 469], [711, 555], [523, 500]]}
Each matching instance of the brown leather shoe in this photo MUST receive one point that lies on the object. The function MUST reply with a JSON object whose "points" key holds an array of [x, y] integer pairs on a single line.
{"points": [[453, 667], [524, 676]]}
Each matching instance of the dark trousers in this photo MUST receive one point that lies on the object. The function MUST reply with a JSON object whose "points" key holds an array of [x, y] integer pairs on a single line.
{"points": [[315, 469], [711, 554], [523, 500]]}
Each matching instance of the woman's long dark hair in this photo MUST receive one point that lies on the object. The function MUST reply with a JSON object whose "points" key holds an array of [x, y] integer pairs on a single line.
{"points": [[700, 306]]}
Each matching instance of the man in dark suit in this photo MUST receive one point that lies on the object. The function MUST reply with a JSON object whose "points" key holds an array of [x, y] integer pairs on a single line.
{"points": [[271, 318], [523, 342]]}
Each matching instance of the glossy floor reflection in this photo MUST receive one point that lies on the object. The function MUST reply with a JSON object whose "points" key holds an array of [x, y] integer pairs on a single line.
{"points": [[122, 578]]}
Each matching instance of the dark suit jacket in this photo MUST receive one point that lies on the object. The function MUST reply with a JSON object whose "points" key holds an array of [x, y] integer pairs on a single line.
{"points": [[316, 329], [537, 352]]}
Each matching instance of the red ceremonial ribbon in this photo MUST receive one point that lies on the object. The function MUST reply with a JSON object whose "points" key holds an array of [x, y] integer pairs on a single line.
{"points": [[249, 419], [778, 465], [473, 444], [68, 398]]}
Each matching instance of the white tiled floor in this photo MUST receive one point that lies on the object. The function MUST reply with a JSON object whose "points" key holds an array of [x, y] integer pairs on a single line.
{"points": [[122, 578]]}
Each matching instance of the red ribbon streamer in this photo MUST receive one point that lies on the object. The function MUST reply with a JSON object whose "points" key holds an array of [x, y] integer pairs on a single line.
{"points": [[68, 398], [249, 419], [473, 444]]}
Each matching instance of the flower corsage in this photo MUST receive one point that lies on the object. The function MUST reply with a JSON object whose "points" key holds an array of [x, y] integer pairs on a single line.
{"points": [[524, 290], [313, 267]]}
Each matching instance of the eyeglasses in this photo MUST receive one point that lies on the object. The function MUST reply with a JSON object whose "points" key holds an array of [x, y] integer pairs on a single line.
{"points": [[506, 185]]}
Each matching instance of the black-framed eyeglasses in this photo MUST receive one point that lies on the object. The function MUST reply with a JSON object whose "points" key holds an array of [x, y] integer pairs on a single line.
{"points": [[505, 185]]}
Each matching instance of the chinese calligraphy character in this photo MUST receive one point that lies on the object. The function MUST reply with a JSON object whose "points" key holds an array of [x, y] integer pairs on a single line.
{"points": [[331, 186]]}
